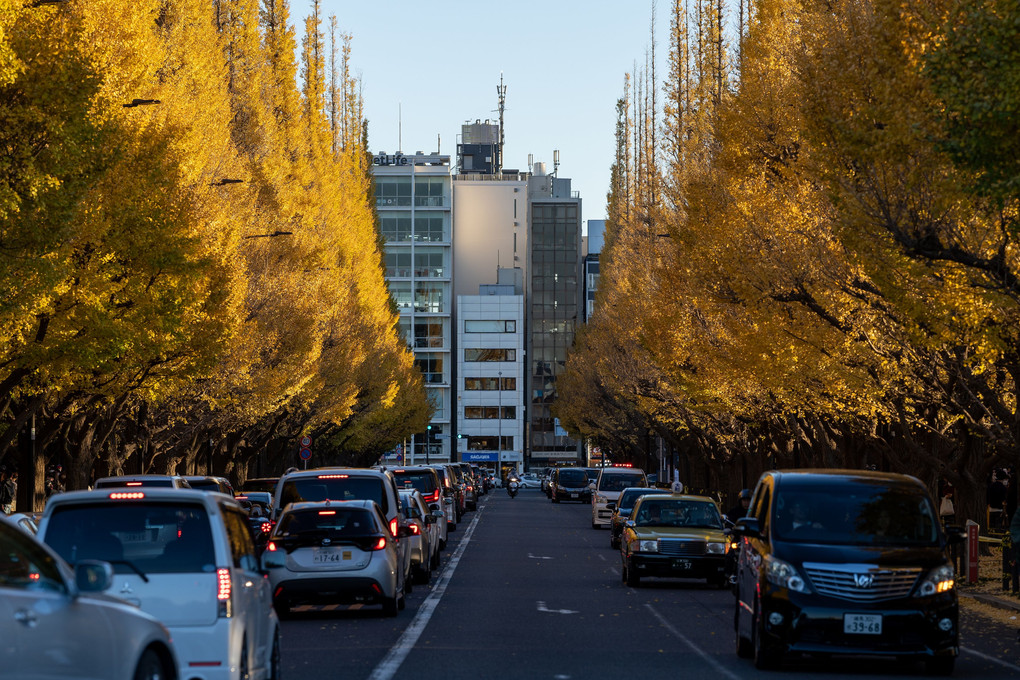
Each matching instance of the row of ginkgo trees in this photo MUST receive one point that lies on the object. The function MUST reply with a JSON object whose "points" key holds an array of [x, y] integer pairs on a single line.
{"points": [[190, 269], [811, 255]]}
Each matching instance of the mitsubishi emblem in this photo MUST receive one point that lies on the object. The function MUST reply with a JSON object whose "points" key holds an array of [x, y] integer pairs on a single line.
{"points": [[863, 580], [126, 589]]}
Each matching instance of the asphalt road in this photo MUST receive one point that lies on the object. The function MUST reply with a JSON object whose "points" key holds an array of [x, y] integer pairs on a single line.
{"points": [[529, 590]]}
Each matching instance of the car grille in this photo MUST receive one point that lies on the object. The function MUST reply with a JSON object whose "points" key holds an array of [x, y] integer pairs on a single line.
{"points": [[861, 582], [675, 547]]}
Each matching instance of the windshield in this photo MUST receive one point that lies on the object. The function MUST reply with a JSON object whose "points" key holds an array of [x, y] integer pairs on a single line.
{"points": [[629, 497], [334, 487], [855, 514], [654, 512], [154, 538], [421, 480], [618, 481], [331, 522], [573, 478]]}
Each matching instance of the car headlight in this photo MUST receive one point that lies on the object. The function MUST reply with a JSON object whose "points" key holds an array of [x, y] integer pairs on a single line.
{"points": [[601, 499], [939, 580], [715, 548], [785, 575], [647, 545]]}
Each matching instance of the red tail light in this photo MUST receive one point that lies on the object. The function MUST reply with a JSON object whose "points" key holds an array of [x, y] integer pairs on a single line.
{"points": [[266, 527], [271, 547], [126, 495], [380, 544], [327, 512], [133, 484], [415, 530], [432, 497], [223, 591], [332, 476], [394, 526]]}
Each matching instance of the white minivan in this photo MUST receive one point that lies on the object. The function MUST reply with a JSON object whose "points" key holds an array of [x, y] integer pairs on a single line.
{"points": [[607, 488], [187, 558]]}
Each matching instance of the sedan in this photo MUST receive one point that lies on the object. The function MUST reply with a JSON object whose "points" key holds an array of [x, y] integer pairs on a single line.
{"points": [[55, 623], [529, 480], [674, 535]]}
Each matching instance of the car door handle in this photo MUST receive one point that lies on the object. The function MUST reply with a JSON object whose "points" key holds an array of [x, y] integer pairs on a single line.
{"points": [[26, 617]]}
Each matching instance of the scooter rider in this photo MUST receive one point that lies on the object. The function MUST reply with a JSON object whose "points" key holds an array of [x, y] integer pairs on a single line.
{"points": [[513, 485]]}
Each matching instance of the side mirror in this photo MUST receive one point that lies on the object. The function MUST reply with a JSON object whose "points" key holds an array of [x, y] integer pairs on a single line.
{"points": [[747, 526], [93, 576], [610, 506], [434, 507], [630, 523], [591, 485], [430, 519]]}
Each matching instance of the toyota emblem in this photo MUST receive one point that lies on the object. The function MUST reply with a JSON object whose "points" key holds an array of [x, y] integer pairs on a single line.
{"points": [[864, 580]]}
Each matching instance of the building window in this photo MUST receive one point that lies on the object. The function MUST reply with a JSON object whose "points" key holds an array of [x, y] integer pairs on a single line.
{"points": [[495, 354], [398, 264], [401, 292], [395, 226], [431, 367], [428, 298], [430, 228], [429, 192], [489, 384], [480, 326], [393, 191], [489, 412], [492, 443], [428, 263], [428, 334]]}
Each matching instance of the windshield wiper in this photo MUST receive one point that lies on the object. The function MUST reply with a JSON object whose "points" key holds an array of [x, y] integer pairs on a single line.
{"points": [[132, 566]]}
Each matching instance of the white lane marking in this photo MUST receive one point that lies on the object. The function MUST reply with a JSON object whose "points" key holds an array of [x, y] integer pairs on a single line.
{"points": [[389, 666], [722, 670], [980, 655], [602, 557], [542, 608], [538, 557]]}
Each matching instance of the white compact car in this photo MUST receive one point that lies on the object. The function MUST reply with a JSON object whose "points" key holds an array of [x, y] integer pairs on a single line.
{"points": [[54, 622], [187, 558], [335, 553], [611, 482]]}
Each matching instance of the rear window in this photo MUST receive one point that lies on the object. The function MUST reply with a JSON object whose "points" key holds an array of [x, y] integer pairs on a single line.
{"points": [[417, 479], [151, 537], [618, 481], [260, 485], [206, 485], [855, 514], [332, 522], [573, 477], [338, 487]]}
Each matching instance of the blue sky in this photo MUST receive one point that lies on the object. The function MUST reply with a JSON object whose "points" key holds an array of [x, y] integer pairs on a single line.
{"points": [[438, 64]]}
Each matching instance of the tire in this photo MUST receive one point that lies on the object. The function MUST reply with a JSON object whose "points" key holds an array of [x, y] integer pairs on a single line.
{"points": [[282, 608], [633, 579], [150, 667], [940, 665], [408, 583], [274, 657], [614, 543], [766, 657], [745, 650], [402, 603], [594, 525], [390, 605], [555, 499]]}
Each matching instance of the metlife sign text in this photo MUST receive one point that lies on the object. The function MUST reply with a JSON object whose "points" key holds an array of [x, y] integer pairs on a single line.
{"points": [[399, 159]]}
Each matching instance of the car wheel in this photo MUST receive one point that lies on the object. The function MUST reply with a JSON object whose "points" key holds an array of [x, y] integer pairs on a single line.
{"points": [[633, 580], [451, 526], [402, 603], [242, 666], [282, 610], [150, 667], [766, 656], [408, 583], [594, 525], [614, 543], [940, 665], [274, 658], [391, 605], [744, 648], [555, 499]]}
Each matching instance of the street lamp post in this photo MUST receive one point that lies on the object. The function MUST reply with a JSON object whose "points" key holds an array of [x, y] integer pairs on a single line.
{"points": [[499, 425]]}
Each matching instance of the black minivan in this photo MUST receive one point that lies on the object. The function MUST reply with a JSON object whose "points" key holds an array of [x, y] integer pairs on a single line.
{"points": [[845, 562]]}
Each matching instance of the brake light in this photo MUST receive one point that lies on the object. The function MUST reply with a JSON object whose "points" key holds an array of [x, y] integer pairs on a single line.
{"points": [[393, 527], [333, 476], [327, 512], [271, 547], [266, 527], [126, 495], [241, 498], [432, 497], [415, 530], [133, 484], [223, 592], [380, 544], [470, 488], [399, 472]]}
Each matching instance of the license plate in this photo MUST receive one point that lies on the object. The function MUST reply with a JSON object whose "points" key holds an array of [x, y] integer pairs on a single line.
{"points": [[326, 555], [862, 624], [682, 564]]}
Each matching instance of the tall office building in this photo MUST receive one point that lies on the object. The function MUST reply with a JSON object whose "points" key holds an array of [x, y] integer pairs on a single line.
{"points": [[594, 241], [414, 200], [554, 307]]}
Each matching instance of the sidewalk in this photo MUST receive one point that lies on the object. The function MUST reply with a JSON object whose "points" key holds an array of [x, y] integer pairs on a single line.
{"points": [[1004, 602]]}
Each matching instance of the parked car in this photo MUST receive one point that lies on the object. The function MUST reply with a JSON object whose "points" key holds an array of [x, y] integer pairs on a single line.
{"points": [[341, 484], [211, 483], [452, 490], [462, 473], [335, 552], [622, 509], [674, 535], [845, 562], [26, 521], [55, 624], [423, 542], [611, 481], [529, 480], [570, 484], [185, 557], [167, 481]]}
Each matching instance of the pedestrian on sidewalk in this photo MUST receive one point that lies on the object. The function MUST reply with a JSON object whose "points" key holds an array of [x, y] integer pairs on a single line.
{"points": [[8, 492], [1014, 549]]}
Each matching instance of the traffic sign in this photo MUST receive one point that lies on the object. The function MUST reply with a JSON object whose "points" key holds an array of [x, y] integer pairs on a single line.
{"points": [[306, 442], [305, 453]]}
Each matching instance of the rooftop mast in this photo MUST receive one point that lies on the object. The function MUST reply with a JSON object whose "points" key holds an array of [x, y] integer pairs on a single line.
{"points": [[501, 91]]}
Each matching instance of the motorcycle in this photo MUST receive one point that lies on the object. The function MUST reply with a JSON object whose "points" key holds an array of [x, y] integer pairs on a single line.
{"points": [[512, 487]]}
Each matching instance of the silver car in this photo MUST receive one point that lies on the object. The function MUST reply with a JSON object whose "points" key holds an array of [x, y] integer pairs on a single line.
{"points": [[424, 539], [335, 552], [54, 622]]}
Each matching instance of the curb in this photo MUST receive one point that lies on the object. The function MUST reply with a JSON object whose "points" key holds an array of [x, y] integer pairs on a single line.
{"points": [[992, 600]]}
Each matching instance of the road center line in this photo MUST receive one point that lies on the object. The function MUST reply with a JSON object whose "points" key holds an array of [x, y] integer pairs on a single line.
{"points": [[990, 658], [723, 671], [389, 666]]}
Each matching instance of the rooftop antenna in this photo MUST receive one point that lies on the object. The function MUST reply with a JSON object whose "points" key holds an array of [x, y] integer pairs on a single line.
{"points": [[439, 143], [556, 162], [531, 161], [400, 129], [501, 91]]}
